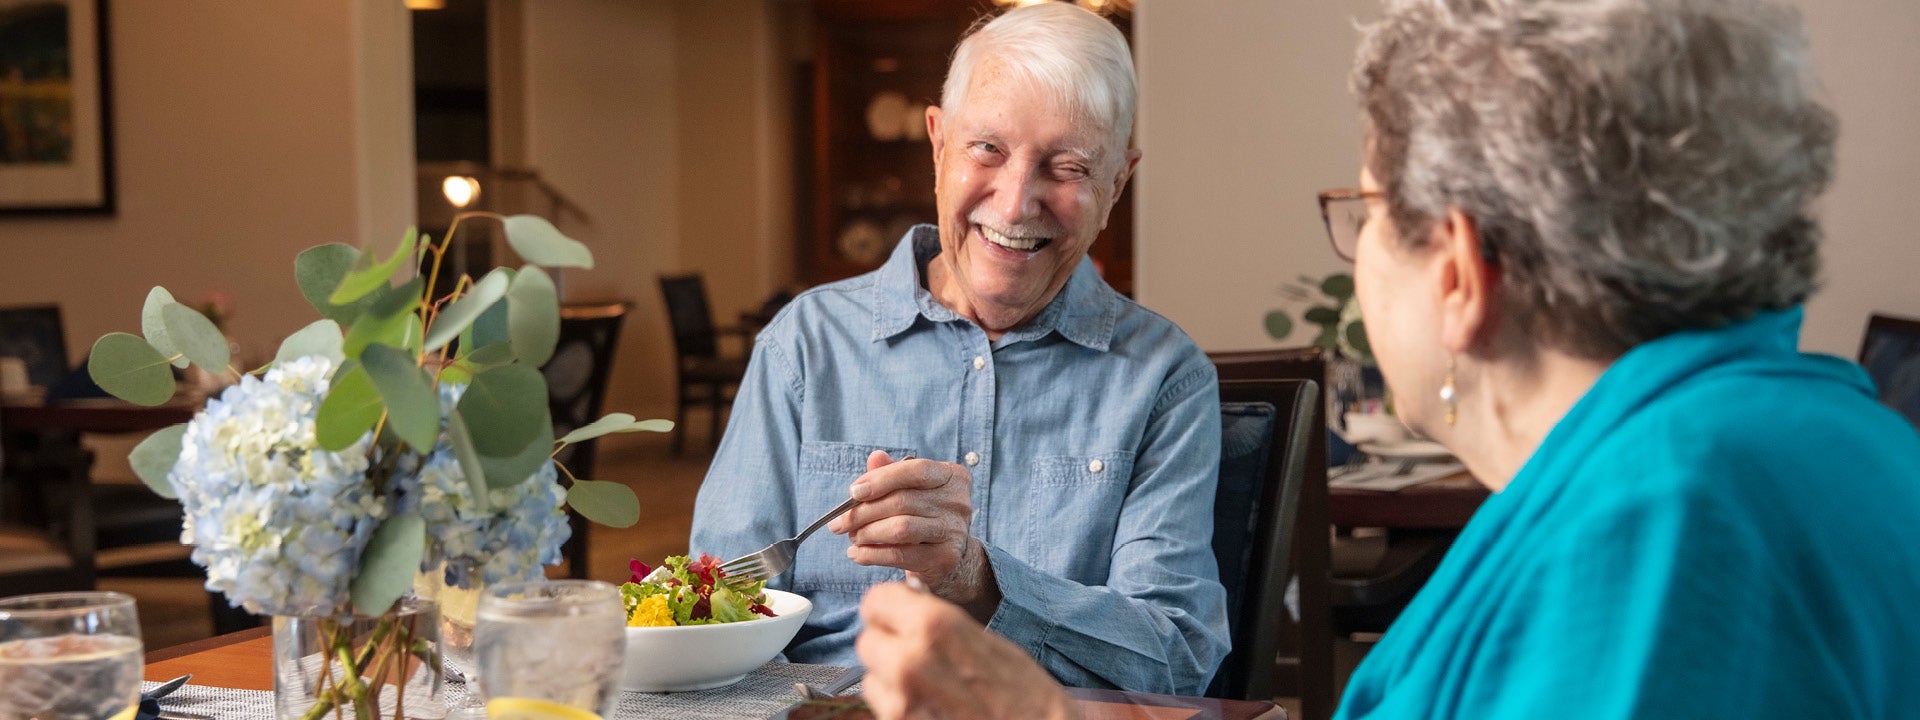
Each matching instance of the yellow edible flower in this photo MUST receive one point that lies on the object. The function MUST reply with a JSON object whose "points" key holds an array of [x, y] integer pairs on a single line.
{"points": [[651, 612]]}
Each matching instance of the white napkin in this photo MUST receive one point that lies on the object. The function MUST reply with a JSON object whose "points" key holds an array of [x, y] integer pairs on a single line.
{"points": [[1383, 476]]}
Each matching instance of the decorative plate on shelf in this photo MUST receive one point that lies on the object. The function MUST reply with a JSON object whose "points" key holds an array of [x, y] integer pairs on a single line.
{"points": [[863, 242]]}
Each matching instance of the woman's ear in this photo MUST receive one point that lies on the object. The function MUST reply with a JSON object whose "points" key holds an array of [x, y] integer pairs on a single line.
{"points": [[1468, 281]]}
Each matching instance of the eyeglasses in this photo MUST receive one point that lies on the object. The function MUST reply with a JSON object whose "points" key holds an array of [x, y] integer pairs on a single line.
{"points": [[1345, 212]]}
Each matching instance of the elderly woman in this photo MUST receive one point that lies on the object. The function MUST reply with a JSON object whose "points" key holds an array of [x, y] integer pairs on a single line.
{"points": [[1581, 241]]}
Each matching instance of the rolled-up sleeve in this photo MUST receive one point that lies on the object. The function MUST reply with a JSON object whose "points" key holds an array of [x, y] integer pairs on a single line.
{"points": [[1159, 623]]}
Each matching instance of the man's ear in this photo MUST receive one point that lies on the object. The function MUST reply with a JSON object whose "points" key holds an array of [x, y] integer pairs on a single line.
{"points": [[1468, 283], [933, 133], [1120, 183]]}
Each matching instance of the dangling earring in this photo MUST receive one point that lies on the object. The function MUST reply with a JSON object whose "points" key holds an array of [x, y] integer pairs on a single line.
{"points": [[1449, 396]]}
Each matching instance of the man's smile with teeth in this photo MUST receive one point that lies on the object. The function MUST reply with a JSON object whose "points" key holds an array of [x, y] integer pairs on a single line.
{"points": [[1025, 244]]}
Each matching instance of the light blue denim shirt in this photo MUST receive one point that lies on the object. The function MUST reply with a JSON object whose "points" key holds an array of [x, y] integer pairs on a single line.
{"points": [[1092, 434]]}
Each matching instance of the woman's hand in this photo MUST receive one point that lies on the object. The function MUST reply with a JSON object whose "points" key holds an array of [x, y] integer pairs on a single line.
{"points": [[926, 659]]}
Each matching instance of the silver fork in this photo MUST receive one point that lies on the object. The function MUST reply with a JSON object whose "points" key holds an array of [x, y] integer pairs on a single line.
{"points": [[776, 558]]}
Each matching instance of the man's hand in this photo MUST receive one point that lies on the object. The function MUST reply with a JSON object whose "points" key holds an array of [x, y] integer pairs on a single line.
{"points": [[926, 659], [915, 515]]}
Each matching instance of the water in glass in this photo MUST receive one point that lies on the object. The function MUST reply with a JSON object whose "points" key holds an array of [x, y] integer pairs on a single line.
{"points": [[69, 656], [561, 642]]}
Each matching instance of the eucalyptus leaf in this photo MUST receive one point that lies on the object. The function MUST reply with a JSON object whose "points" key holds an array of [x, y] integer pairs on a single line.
{"points": [[533, 316], [130, 369], [504, 407], [366, 278], [196, 337], [413, 411], [1279, 326], [506, 471], [487, 356], [321, 338], [655, 425], [388, 565], [352, 407], [392, 332], [462, 312], [155, 456], [540, 243], [318, 270], [470, 466], [155, 329], [458, 372], [396, 300], [608, 503], [612, 423], [488, 329]]}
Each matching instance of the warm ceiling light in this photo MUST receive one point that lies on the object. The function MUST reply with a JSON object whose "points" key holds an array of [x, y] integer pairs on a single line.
{"points": [[460, 190], [426, 4]]}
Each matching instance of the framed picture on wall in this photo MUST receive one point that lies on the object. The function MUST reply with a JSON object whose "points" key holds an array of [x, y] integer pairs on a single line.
{"points": [[56, 139]]}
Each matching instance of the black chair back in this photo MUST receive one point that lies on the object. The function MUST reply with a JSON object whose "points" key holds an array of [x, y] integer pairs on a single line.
{"points": [[1890, 352], [1265, 429], [576, 391], [690, 316]]}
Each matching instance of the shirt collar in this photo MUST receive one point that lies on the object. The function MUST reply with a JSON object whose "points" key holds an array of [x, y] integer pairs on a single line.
{"points": [[1083, 312]]}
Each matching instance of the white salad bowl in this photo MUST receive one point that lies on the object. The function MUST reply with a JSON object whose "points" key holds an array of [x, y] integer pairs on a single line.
{"points": [[698, 657]]}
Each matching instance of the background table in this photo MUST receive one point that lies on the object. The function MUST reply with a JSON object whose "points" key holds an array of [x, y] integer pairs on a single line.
{"points": [[1444, 503]]}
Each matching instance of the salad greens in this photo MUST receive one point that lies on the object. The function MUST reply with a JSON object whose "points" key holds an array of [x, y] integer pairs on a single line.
{"points": [[689, 592]]}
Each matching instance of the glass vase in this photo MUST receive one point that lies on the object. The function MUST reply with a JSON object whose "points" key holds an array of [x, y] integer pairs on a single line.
{"points": [[457, 609], [358, 666]]}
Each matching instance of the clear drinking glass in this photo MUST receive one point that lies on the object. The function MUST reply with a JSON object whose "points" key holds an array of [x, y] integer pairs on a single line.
{"points": [[559, 641], [69, 656]]}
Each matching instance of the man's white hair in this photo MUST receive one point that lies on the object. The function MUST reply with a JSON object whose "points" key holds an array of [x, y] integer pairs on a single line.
{"points": [[1067, 52]]}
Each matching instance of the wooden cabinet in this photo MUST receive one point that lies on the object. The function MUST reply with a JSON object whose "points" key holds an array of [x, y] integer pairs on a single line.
{"points": [[877, 65]]}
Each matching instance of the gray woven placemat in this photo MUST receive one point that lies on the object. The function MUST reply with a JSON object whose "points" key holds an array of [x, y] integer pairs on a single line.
{"points": [[762, 693]]}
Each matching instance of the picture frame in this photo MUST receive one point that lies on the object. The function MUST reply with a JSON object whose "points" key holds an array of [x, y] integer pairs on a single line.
{"points": [[56, 130]]}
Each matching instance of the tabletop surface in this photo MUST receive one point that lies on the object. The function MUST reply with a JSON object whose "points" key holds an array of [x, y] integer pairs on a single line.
{"points": [[244, 660]]}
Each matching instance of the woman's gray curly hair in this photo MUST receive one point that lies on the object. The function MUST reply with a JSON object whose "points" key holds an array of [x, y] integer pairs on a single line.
{"points": [[1636, 167]]}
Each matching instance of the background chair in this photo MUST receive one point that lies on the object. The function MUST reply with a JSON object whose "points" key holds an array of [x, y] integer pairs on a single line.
{"points": [[705, 376], [1306, 668], [1265, 429], [47, 557], [576, 390], [1890, 352]]}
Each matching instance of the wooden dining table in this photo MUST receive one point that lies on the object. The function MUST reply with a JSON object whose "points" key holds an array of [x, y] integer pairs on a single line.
{"points": [[244, 660], [1444, 503]]}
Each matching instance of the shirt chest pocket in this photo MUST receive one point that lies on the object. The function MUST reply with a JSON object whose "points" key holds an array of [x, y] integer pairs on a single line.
{"points": [[821, 564], [1072, 512]]}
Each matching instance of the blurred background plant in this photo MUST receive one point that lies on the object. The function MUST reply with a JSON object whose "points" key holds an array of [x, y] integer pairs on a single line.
{"points": [[1329, 305]]}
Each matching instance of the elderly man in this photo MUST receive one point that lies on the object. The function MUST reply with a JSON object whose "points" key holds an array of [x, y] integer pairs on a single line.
{"points": [[1065, 440]]}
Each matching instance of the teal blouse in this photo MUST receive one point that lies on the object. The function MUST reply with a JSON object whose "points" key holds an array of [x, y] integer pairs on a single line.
{"points": [[1723, 527]]}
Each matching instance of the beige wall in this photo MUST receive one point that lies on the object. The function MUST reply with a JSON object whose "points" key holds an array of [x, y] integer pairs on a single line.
{"points": [[245, 132], [667, 123], [1245, 115]]}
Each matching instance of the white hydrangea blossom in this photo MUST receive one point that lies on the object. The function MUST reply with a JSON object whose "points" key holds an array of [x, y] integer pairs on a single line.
{"points": [[278, 523]]}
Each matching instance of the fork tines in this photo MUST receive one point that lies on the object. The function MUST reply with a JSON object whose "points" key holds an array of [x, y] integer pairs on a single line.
{"points": [[749, 569]]}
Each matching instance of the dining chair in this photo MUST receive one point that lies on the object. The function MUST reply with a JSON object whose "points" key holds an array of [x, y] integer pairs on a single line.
{"points": [[51, 556], [705, 375], [1266, 427], [1890, 351], [1306, 666], [577, 376]]}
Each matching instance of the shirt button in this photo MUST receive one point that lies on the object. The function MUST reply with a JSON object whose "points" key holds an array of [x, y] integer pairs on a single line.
{"points": [[1096, 466], [979, 362], [973, 458]]}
